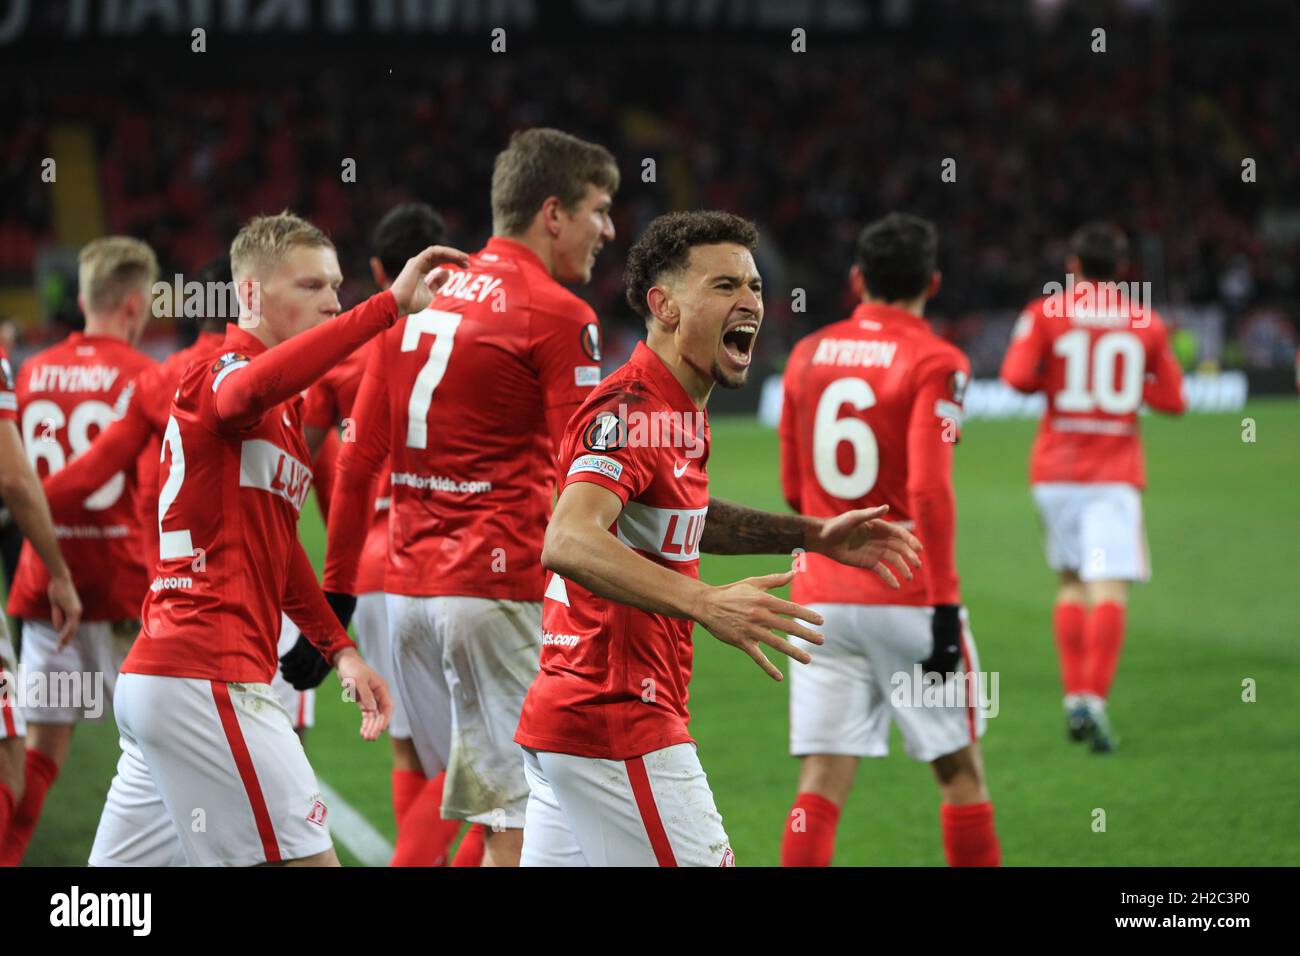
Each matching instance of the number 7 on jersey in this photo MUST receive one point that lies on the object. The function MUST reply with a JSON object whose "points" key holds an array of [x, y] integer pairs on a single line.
{"points": [[442, 326]]}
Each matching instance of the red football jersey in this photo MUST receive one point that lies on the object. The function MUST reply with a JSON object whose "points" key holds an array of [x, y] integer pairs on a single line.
{"points": [[235, 478], [329, 405], [613, 679], [872, 409], [469, 400], [1098, 357], [134, 434], [66, 395]]}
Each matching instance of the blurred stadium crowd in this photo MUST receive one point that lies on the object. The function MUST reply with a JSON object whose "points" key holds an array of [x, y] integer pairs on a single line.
{"points": [[1152, 134]]}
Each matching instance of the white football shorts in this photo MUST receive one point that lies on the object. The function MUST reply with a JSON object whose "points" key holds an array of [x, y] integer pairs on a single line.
{"points": [[370, 624], [653, 810], [1095, 530], [868, 673], [463, 667], [211, 774], [63, 685], [300, 705]]}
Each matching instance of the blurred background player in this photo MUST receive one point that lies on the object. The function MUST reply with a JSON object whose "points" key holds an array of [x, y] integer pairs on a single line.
{"points": [[21, 490], [66, 394], [872, 409], [470, 400], [200, 726], [401, 234], [1098, 353], [613, 775], [136, 433]]}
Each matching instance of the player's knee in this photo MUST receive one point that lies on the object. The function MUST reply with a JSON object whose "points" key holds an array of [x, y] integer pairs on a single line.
{"points": [[1071, 590], [1100, 592], [12, 756], [502, 847], [828, 775], [961, 776], [405, 757]]}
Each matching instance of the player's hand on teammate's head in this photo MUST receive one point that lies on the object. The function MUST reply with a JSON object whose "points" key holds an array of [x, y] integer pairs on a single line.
{"points": [[420, 278], [303, 666], [369, 691], [744, 615], [65, 607], [863, 539]]}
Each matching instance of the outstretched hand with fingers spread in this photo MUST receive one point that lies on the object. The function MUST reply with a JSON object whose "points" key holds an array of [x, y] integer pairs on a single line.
{"points": [[744, 615]]}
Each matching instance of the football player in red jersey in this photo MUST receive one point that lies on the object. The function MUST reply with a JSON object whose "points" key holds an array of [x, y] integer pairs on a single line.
{"points": [[403, 231], [612, 771], [204, 738], [1098, 352], [21, 491], [469, 400], [66, 394], [137, 429], [872, 408]]}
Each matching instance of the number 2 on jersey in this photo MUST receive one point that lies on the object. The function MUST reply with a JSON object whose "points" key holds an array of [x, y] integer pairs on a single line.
{"points": [[172, 544], [442, 326], [829, 430]]}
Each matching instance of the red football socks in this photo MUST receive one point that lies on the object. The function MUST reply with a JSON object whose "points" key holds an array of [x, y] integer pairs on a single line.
{"points": [[470, 852], [1103, 637], [407, 785], [40, 772], [6, 810], [968, 835], [1068, 623], [424, 836], [809, 838]]}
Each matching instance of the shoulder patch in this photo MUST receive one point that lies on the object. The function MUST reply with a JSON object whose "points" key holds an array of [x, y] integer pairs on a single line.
{"points": [[589, 339], [597, 465], [226, 359], [957, 383], [225, 364], [606, 432]]}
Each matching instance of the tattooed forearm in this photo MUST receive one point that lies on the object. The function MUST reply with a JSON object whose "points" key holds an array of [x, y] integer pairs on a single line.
{"points": [[735, 529]]}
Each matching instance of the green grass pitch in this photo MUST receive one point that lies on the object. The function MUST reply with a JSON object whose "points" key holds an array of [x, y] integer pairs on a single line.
{"points": [[1201, 777]]}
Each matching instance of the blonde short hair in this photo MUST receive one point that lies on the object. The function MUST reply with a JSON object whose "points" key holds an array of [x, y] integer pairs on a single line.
{"points": [[111, 268], [265, 240]]}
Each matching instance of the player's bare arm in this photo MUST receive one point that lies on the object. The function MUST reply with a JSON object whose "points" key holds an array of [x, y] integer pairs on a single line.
{"points": [[22, 494], [579, 547], [860, 538]]}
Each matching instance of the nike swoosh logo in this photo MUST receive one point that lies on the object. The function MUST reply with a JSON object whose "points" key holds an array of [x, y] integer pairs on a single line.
{"points": [[679, 470]]}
